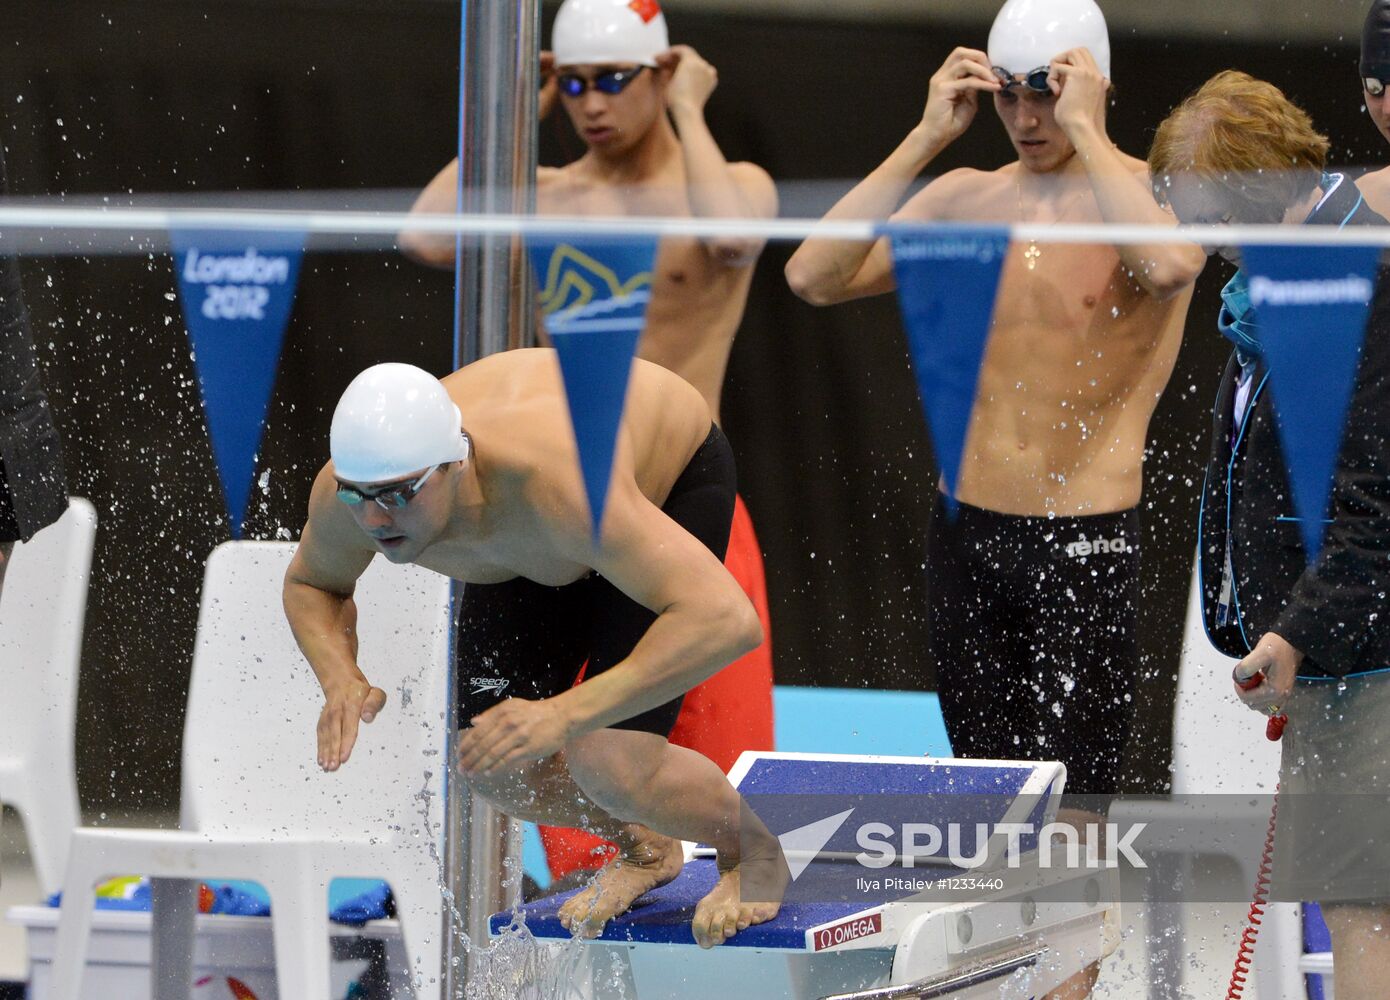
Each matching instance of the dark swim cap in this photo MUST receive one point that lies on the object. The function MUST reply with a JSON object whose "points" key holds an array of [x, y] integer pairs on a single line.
{"points": [[1375, 48]]}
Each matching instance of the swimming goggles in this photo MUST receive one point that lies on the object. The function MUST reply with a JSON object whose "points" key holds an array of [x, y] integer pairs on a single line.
{"points": [[611, 82], [389, 499], [1035, 79]]}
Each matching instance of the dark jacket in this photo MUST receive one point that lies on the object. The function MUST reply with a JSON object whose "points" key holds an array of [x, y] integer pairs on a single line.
{"points": [[33, 491], [1335, 610]]}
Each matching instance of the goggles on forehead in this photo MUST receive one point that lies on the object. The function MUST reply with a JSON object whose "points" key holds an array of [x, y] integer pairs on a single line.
{"points": [[611, 82], [1035, 79], [1373, 85]]}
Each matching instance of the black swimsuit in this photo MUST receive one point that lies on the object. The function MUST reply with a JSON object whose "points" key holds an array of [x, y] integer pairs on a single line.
{"points": [[525, 640], [1033, 631]]}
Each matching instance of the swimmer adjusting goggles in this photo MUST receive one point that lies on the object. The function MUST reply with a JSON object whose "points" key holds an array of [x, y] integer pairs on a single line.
{"points": [[610, 82], [1035, 79]]}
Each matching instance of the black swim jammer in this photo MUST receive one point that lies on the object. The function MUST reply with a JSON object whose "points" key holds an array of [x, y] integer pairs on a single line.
{"points": [[526, 640], [1033, 630]]}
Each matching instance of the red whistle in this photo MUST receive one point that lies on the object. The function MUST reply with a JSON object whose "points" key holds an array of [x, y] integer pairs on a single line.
{"points": [[1274, 728], [1251, 682]]}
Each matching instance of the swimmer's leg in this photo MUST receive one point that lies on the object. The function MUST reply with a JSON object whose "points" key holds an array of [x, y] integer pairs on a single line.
{"points": [[1080, 985], [680, 795], [545, 792]]}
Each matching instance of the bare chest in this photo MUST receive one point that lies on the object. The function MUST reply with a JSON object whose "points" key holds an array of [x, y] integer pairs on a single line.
{"points": [[1075, 325], [1070, 288], [501, 559], [685, 277]]}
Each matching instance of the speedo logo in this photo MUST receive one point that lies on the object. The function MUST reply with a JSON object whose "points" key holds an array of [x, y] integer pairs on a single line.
{"points": [[1077, 550], [1314, 292], [489, 685]]}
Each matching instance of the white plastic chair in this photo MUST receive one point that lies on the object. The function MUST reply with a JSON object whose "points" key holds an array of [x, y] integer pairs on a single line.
{"points": [[255, 804], [42, 610]]}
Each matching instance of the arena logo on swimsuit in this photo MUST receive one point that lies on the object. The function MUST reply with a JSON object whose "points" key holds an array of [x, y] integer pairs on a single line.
{"points": [[235, 282], [1078, 550]]}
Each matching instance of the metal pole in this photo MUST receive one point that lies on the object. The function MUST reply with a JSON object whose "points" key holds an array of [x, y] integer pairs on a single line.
{"points": [[499, 76]]}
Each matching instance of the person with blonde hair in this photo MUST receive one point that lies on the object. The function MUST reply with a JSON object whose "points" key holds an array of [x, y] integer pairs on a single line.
{"points": [[1238, 151], [1245, 144]]}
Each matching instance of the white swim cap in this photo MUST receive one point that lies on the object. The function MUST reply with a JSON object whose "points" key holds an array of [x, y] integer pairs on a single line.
{"points": [[393, 420], [1028, 34], [599, 32]]}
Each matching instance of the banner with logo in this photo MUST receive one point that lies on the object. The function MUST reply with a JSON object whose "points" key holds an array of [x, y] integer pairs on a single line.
{"points": [[236, 290], [947, 279], [1311, 305], [593, 299]]}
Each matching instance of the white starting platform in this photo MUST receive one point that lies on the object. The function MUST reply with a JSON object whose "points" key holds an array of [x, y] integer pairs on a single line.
{"points": [[909, 923]]}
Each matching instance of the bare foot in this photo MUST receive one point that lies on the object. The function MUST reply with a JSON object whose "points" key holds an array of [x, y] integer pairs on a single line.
{"points": [[649, 862], [723, 913]]}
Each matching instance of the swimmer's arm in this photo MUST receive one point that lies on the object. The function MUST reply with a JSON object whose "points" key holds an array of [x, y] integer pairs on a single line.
{"points": [[1164, 270], [716, 188], [825, 271], [1120, 183], [721, 190], [440, 197], [318, 603], [828, 271], [704, 620]]}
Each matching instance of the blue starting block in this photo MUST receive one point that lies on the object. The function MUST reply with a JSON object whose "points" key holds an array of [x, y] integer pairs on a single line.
{"points": [[878, 900]]}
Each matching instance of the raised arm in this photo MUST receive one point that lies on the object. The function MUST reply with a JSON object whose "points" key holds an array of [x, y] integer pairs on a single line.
{"points": [[717, 189], [824, 271], [318, 604], [1121, 188], [439, 197]]}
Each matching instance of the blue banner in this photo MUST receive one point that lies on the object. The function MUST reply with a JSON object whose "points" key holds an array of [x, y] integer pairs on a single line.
{"points": [[947, 279], [1310, 306], [236, 290], [593, 298]]}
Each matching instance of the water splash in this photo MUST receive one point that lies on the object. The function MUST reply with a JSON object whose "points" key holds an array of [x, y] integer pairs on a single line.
{"points": [[515, 965]]}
